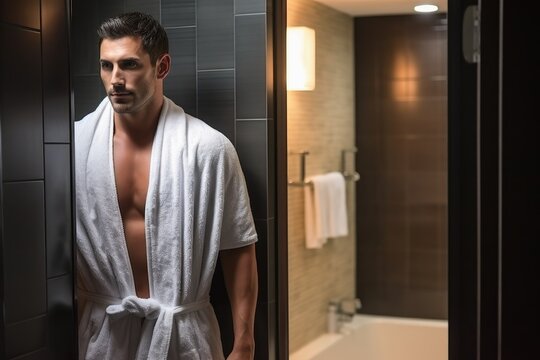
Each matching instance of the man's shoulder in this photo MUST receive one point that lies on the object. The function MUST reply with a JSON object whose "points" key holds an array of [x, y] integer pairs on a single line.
{"points": [[210, 143]]}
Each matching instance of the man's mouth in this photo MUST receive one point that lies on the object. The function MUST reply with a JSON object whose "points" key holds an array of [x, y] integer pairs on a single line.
{"points": [[120, 93]]}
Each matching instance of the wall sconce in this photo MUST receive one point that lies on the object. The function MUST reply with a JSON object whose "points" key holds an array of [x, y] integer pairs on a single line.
{"points": [[300, 58]]}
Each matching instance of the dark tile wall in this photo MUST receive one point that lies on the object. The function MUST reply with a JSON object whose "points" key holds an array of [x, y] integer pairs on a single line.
{"points": [[36, 237], [402, 155], [220, 51]]}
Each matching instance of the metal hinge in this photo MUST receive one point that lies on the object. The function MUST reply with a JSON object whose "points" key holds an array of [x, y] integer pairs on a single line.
{"points": [[471, 34]]}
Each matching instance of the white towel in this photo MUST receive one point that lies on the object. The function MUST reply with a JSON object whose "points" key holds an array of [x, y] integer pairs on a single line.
{"points": [[325, 209]]}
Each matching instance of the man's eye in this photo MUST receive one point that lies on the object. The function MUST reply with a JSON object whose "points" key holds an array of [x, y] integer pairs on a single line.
{"points": [[130, 64], [106, 66]]}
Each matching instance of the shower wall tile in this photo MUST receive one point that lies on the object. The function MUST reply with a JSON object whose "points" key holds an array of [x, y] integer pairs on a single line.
{"points": [[427, 227], [26, 336], [180, 84], [250, 55], [423, 157], [150, 7], [21, 92], [404, 191], [24, 250], [87, 16], [251, 144], [175, 13], [84, 51], [58, 208], [425, 270], [249, 6], [89, 92], [23, 12], [56, 92], [416, 120], [215, 34], [110, 8], [61, 339], [35, 355], [216, 100]]}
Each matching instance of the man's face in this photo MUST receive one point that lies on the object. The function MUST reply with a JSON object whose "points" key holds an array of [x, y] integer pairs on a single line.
{"points": [[129, 77]]}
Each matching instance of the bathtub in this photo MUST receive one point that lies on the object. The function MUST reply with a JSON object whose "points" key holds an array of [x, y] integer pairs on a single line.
{"points": [[369, 337]]}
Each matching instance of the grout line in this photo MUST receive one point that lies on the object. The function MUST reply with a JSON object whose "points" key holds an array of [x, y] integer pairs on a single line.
{"points": [[214, 70], [261, 13]]}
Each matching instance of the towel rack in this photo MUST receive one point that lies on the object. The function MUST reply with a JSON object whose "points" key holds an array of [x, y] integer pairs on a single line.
{"points": [[302, 178], [355, 176], [302, 181]]}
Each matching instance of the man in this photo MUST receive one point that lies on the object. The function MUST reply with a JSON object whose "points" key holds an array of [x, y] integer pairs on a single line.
{"points": [[160, 195]]}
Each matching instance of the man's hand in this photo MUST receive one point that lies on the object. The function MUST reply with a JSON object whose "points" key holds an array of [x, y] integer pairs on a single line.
{"points": [[242, 354]]}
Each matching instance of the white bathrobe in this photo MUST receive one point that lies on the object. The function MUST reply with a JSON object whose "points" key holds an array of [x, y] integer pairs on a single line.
{"points": [[197, 204]]}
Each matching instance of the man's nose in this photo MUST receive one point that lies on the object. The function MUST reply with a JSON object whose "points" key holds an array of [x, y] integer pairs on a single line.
{"points": [[117, 77]]}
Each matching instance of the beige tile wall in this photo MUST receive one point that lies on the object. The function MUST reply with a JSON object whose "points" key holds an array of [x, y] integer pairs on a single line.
{"points": [[321, 122]]}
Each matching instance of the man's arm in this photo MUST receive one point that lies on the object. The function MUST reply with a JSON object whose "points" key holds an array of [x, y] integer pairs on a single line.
{"points": [[240, 273]]}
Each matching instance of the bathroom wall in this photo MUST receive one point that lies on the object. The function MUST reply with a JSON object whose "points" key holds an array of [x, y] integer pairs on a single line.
{"points": [[401, 98], [221, 65], [322, 122], [37, 318]]}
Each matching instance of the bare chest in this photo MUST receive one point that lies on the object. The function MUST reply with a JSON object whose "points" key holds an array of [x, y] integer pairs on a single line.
{"points": [[132, 170]]}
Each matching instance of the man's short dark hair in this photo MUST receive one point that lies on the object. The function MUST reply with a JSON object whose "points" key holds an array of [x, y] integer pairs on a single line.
{"points": [[153, 35]]}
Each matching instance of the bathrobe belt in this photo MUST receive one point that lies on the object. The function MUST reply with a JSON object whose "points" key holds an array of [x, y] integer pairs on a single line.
{"points": [[149, 309]]}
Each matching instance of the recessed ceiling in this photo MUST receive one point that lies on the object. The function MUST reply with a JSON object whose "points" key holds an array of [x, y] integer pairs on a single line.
{"points": [[380, 7]]}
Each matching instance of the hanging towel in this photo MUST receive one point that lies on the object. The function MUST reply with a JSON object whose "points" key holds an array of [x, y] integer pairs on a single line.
{"points": [[325, 209]]}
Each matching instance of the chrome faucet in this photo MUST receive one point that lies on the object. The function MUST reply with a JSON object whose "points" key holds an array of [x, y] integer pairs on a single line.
{"points": [[340, 311], [348, 307]]}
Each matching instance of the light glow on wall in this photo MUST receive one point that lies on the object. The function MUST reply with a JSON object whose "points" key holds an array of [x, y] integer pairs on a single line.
{"points": [[300, 58], [405, 80]]}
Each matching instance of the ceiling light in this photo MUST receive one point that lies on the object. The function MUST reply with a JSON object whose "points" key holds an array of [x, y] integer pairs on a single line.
{"points": [[426, 8]]}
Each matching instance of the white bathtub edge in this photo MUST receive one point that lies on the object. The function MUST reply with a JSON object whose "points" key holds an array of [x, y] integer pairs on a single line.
{"points": [[318, 345], [315, 347], [362, 319]]}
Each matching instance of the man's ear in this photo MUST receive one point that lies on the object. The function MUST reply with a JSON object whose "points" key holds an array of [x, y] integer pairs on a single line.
{"points": [[163, 66]]}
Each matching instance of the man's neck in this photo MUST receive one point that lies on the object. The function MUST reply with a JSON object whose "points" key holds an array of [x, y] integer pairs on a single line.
{"points": [[139, 127]]}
